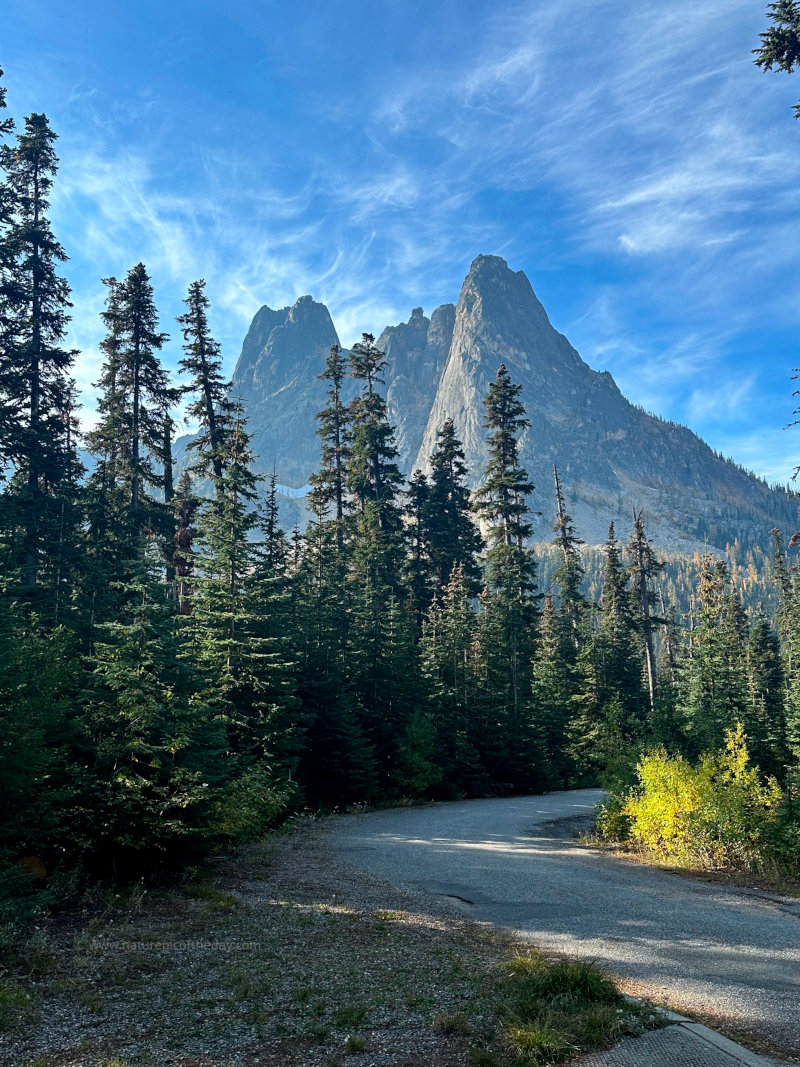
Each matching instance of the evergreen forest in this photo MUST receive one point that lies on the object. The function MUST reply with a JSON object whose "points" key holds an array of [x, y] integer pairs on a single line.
{"points": [[177, 672]]}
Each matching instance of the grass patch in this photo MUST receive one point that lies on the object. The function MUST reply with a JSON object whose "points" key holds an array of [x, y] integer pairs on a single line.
{"points": [[216, 899], [14, 1003], [24, 952], [550, 1010], [349, 1015], [451, 1024]]}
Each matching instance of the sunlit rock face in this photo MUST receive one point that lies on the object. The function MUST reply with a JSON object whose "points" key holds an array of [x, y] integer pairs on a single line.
{"points": [[611, 455], [416, 353], [277, 377]]}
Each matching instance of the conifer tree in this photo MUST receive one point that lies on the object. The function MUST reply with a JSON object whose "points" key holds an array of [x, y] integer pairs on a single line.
{"points": [[611, 723], [282, 724], [40, 674], [713, 685], [202, 364], [35, 385], [419, 568], [765, 720], [338, 764], [143, 380], [186, 506], [448, 667], [784, 584], [221, 605], [132, 442], [376, 648], [780, 43], [157, 747], [644, 568], [569, 574], [330, 482], [106, 440], [553, 692], [373, 477], [510, 603], [667, 725], [7, 291], [453, 538]]}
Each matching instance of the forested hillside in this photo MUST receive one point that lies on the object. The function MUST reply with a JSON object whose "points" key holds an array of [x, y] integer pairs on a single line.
{"points": [[176, 671]]}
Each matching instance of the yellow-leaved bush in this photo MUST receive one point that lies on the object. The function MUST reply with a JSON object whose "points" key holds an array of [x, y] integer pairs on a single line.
{"points": [[715, 814]]}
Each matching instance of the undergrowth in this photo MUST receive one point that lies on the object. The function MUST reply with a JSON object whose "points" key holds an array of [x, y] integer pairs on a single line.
{"points": [[549, 1010]]}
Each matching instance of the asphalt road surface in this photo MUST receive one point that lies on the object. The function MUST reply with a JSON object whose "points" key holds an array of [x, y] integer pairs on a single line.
{"points": [[514, 862]]}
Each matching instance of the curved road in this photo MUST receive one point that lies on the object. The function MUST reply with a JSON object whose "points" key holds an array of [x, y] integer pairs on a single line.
{"points": [[716, 949]]}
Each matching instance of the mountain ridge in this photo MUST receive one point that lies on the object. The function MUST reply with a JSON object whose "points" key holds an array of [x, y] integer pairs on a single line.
{"points": [[611, 454]]}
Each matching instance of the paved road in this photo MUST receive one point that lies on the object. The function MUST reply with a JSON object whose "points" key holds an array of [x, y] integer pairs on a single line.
{"points": [[698, 945]]}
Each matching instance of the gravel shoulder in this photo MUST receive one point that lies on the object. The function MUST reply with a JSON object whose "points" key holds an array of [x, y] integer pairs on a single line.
{"points": [[723, 954], [289, 957]]}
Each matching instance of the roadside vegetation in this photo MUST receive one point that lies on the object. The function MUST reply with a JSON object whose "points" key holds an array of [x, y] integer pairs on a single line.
{"points": [[290, 956], [717, 814]]}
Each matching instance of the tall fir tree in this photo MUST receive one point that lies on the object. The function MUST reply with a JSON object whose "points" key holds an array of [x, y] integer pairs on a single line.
{"points": [[145, 383], [447, 651], [376, 647], [37, 391], [611, 724], [553, 693], [569, 575], [221, 617], [338, 765], [418, 565], [713, 683], [509, 605], [644, 569], [8, 280], [765, 719], [330, 482], [183, 553], [453, 538], [209, 389], [157, 747], [373, 477]]}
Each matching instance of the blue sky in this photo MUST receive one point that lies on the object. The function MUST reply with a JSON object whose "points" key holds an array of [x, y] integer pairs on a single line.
{"points": [[627, 156]]}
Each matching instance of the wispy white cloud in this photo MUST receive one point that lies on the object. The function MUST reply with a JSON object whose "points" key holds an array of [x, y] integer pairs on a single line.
{"points": [[630, 155], [725, 402]]}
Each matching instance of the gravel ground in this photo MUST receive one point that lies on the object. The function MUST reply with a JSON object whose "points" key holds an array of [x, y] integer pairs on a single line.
{"points": [[297, 958], [728, 955]]}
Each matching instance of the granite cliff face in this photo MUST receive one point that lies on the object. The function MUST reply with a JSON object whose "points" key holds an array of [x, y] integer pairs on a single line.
{"points": [[416, 352], [277, 377], [611, 455]]}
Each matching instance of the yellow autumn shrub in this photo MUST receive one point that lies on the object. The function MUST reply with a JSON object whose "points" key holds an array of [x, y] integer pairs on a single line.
{"points": [[714, 814]]}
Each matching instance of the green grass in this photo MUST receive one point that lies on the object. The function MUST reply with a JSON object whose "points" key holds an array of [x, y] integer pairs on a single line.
{"points": [[241, 984], [216, 899], [451, 1023], [548, 1011], [349, 1015], [14, 1003]]}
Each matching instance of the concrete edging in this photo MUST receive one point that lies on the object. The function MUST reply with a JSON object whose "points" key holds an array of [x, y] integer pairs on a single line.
{"points": [[724, 1044]]}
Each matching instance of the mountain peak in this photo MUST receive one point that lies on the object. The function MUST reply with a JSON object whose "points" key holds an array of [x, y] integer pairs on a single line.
{"points": [[279, 343], [485, 264], [611, 456]]}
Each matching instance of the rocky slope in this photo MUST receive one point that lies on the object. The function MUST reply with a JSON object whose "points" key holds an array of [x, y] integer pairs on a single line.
{"points": [[612, 456], [277, 377]]}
